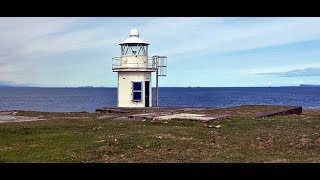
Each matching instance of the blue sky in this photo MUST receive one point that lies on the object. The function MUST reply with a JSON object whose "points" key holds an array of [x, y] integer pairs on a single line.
{"points": [[201, 51]]}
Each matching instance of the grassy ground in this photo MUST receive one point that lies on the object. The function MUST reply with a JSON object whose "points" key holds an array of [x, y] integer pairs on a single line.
{"points": [[293, 138]]}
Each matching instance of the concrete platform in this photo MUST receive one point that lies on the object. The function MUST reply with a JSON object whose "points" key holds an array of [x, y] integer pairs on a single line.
{"points": [[178, 116], [196, 117], [199, 113], [149, 115]]}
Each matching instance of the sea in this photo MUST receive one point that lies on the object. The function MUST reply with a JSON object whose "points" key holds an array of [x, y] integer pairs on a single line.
{"points": [[88, 99]]}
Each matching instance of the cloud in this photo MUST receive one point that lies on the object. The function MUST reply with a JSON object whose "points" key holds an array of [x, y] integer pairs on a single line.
{"points": [[295, 73], [33, 37], [178, 36], [24, 40], [172, 36]]}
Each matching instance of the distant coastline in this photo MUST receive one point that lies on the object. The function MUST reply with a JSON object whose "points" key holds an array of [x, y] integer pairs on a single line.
{"points": [[11, 84], [81, 87], [309, 85], [5, 84]]}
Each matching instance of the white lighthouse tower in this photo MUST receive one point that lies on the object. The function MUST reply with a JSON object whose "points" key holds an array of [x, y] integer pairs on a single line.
{"points": [[134, 72]]}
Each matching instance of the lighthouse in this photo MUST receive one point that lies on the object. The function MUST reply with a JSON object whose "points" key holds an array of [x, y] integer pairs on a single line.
{"points": [[134, 69]]}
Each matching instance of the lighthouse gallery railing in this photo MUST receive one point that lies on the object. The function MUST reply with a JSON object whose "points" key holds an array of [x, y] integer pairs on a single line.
{"points": [[116, 64]]}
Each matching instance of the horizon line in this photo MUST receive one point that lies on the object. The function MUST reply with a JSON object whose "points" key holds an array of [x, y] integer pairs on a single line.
{"points": [[301, 85]]}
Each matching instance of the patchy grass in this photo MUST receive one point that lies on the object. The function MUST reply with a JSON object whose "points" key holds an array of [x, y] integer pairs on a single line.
{"points": [[293, 138]]}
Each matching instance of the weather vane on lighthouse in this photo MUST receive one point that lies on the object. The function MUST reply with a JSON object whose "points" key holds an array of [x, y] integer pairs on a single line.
{"points": [[134, 69]]}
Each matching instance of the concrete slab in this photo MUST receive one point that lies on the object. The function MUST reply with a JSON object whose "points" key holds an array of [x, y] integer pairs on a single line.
{"points": [[149, 115], [192, 109], [187, 116]]}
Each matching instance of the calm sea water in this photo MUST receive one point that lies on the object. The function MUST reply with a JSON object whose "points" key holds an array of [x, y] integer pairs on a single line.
{"points": [[88, 99]]}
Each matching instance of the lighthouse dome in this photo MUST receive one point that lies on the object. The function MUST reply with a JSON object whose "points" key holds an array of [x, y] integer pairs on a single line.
{"points": [[134, 38], [134, 33]]}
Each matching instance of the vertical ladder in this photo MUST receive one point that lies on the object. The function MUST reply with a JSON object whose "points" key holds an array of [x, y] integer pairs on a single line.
{"points": [[160, 64]]}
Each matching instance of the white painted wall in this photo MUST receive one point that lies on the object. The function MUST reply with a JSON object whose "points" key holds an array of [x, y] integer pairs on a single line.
{"points": [[125, 88], [139, 61]]}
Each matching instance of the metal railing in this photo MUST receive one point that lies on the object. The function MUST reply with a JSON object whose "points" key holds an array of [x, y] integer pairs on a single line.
{"points": [[160, 63], [116, 64]]}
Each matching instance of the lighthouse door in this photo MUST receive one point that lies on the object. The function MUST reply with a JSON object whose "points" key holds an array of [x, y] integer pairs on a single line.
{"points": [[147, 93]]}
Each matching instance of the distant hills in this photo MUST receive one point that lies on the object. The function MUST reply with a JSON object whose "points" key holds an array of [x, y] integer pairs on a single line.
{"points": [[11, 84], [309, 85], [6, 84]]}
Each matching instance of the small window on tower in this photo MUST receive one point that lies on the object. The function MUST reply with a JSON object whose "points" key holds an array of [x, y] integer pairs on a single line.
{"points": [[136, 91]]}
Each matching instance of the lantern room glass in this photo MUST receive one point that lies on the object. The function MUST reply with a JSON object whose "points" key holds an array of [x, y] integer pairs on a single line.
{"points": [[134, 49]]}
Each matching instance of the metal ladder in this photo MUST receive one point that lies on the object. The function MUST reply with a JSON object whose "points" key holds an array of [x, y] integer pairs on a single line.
{"points": [[160, 64]]}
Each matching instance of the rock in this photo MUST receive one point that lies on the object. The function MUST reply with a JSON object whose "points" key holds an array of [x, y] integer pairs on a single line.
{"points": [[100, 141], [317, 142], [286, 111], [96, 128], [144, 120], [14, 113], [304, 141], [106, 117], [212, 126]]}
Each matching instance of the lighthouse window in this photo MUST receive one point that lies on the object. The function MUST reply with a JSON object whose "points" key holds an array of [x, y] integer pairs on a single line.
{"points": [[134, 49], [137, 91], [137, 86]]}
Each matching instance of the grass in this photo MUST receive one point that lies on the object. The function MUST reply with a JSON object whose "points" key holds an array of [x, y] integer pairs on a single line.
{"points": [[293, 138]]}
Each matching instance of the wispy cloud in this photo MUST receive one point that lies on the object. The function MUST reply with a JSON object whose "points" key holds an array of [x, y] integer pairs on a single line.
{"points": [[24, 37], [217, 35], [24, 40], [295, 73]]}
